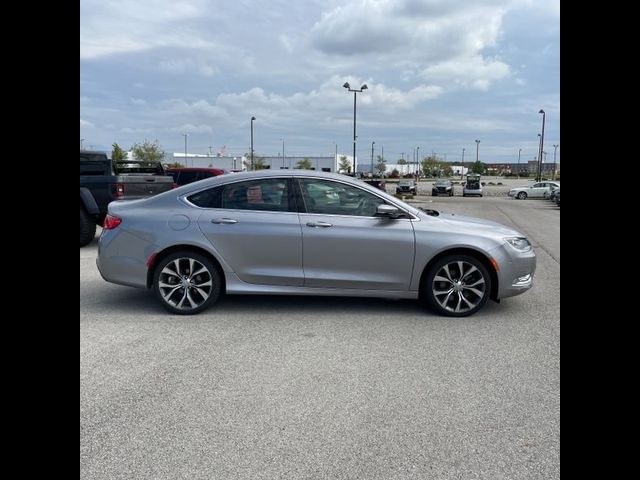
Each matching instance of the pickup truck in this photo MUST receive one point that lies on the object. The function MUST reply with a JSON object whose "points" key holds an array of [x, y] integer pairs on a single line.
{"points": [[102, 181]]}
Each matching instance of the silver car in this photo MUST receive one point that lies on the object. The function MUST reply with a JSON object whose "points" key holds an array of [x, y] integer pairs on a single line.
{"points": [[537, 190], [299, 232]]}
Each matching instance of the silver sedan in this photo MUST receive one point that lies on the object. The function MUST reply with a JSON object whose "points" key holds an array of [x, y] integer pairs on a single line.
{"points": [[299, 232]]}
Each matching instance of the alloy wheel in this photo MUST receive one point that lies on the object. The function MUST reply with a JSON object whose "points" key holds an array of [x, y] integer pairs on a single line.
{"points": [[459, 287], [185, 283]]}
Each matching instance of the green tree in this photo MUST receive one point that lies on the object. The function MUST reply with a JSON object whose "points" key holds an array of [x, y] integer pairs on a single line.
{"points": [[258, 162], [118, 154], [478, 167], [381, 165], [344, 165], [430, 166], [304, 164], [447, 171], [148, 151]]}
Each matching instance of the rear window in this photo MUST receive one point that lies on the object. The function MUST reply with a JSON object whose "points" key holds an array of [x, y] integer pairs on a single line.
{"points": [[154, 168]]}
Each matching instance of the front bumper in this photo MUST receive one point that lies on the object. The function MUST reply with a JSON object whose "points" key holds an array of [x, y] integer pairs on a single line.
{"points": [[516, 270]]}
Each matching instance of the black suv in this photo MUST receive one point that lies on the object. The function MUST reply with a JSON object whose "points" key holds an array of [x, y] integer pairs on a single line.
{"points": [[442, 187], [407, 186]]}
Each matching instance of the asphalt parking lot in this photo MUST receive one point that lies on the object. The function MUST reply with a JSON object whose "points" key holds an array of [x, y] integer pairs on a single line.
{"points": [[317, 387]]}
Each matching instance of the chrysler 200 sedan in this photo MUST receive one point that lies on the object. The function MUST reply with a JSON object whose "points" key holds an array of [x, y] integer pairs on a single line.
{"points": [[307, 233]]}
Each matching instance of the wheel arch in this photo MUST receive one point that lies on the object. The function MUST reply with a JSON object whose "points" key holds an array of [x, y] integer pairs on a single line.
{"points": [[179, 248], [480, 256]]}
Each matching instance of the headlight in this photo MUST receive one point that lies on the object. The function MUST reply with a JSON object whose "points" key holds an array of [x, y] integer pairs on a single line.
{"points": [[519, 243]]}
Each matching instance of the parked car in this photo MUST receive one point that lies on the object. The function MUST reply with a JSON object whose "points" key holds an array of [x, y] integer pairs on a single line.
{"points": [[102, 181], [185, 175], [473, 186], [556, 198], [548, 194], [533, 191], [307, 233], [407, 186], [442, 187]]}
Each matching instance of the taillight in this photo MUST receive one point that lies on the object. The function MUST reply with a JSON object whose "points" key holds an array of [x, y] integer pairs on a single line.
{"points": [[111, 222], [117, 190]]}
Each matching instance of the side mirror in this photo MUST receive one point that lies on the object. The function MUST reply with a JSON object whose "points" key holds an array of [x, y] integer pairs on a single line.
{"points": [[388, 211]]}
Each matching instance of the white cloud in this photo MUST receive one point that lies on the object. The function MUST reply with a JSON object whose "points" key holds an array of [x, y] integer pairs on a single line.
{"points": [[475, 72], [435, 37], [138, 101], [125, 26], [191, 129], [85, 123]]}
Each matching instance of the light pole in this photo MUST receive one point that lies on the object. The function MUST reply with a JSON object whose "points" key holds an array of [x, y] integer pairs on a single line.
{"points": [[538, 158], [477, 149], [541, 146], [185, 149], [417, 162], [462, 169], [252, 119], [348, 87], [519, 150], [81, 140], [555, 148], [372, 144]]}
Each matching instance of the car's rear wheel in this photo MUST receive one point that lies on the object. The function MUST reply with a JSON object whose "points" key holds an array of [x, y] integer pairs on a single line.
{"points": [[456, 286], [186, 282], [87, 228], [522, 195]]}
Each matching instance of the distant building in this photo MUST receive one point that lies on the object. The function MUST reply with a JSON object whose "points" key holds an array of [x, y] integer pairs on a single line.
{"points": [[242, 162]]}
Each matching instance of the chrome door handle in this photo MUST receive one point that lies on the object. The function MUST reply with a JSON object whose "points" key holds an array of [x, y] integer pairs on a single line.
{"points": [[225, 221], [319, 224]]}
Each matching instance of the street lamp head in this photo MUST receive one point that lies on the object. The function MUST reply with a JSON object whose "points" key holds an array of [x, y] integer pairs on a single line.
{"points": [[364, 87], [477, 141], [253, 118], [541, 111], [346, 85]]}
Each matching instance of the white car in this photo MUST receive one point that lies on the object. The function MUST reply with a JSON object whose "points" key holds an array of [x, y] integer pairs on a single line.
{"points": [[534, 191]]}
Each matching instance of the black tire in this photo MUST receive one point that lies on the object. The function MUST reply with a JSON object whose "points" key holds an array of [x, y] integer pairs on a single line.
{"points": [[173, 273], [471, 294], [87, 228], [521, 195]]}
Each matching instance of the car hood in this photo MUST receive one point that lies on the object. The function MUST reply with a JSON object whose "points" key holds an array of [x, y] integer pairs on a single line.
{"points": [[473, 225]]}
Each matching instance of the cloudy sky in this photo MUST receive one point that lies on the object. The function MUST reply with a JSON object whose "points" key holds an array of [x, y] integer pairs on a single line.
{"points": [[441, 73]]}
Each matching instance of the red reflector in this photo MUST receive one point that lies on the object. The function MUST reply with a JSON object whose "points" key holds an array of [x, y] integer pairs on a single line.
{"points": [[117, 190], [174, 185], [111, 222]]}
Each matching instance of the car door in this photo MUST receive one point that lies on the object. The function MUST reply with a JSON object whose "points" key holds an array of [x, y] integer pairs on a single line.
{"points": [[254, 226], [345, 245], [538, 189]]}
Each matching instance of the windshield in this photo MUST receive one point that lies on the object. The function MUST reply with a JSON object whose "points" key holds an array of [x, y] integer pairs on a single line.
{"points": [[443, 183], [405, 183]]}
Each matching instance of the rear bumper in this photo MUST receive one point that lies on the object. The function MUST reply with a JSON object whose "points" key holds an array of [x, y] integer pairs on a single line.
{"points": [[122, 258]]}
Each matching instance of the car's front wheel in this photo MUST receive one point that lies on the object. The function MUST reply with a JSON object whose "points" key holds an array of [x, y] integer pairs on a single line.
{"points": [[522, 195], [186, 282], [456, 285]]}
